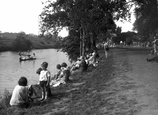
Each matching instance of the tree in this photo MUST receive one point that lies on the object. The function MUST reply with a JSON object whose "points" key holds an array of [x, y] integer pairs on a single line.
{"points": [[127, 37], [88, 18], [146, 13]]}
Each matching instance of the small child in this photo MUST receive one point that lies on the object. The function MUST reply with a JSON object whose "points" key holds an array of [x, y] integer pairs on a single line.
{"points": [[20, 95], [44, 79], [39, 70], [76, 65], [65, 73], [56, 76]]}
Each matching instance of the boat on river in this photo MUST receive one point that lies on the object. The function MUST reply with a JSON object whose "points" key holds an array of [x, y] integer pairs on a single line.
{"points": [[26, 59]]}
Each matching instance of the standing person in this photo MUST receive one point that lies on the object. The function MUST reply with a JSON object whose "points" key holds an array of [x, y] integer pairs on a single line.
{"points": [[44, 79], [106, 49], [155, 45], [20, 95]]}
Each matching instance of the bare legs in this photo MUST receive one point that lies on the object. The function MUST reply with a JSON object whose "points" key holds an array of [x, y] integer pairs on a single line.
{"points": [[106, 54], [44, 93]]}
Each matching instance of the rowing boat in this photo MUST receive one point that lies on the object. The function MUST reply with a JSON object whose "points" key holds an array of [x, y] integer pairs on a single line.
{"points": [[26, 59]]}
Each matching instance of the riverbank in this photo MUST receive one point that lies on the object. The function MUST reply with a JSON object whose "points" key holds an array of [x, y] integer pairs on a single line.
{"points": [[111, 88]]}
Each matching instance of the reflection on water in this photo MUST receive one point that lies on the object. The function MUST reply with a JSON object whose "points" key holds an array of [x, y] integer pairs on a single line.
{"points": [[11, 69]]}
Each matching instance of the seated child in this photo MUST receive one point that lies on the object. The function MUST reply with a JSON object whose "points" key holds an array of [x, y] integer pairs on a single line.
{"points": [[93, 59], [20, 95], [76, 65], [56, 76], [65, 73], [83, 65]]}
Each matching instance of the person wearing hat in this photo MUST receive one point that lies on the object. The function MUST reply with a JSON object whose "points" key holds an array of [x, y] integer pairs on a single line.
{"points": [[44, 79]]}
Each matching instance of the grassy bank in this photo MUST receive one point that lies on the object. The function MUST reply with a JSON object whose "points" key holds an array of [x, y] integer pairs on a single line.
{"points": [[95, 92], [73, 97]]}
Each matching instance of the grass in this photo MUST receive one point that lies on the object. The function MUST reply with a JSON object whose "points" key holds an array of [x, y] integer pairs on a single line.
{"points": [[4, 102], [66, 98], [95, 92]]}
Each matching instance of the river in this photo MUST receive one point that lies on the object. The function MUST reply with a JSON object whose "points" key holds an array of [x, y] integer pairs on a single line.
{"points": [[11, 69]]}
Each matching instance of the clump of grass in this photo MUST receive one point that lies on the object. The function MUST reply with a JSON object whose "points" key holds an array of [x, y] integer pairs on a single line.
{"points": [[4, 102]]}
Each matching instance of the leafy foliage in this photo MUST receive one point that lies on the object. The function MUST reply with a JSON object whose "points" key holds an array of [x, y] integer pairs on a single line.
{"points": [[146, 13], [127, 37], [89, 18], [22, 44], [4, 102]]}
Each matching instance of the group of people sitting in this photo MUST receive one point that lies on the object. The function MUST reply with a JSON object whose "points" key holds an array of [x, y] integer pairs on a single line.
{"points": [[82, 63], [62, 75], [22, 93]]}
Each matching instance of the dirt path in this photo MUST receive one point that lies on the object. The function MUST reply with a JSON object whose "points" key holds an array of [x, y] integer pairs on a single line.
{"points": [[140, 79]]}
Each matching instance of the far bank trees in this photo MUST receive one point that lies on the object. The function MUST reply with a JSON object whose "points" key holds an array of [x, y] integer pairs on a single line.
{"points": [[21, 43]]}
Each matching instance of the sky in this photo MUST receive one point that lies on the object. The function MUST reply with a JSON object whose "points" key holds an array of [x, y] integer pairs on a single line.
{"points": [[126, 25], [23, 15], [20, 15]]}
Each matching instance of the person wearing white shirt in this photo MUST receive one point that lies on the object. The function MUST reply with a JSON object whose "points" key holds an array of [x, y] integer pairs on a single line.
{"points": [[44, 79], [20, 95]]}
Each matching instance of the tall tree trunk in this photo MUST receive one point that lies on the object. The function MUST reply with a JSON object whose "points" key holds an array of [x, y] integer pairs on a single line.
{"points": [[80, 41], [157, 6], [83, 43], [93, 41]]}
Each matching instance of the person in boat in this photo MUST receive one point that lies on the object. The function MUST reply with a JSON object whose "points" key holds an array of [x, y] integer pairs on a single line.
{"points": [[20, 96], [33, 56], [22, 57]]}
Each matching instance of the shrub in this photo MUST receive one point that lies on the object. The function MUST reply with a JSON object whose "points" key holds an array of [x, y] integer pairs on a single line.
{"points": [[4, 103]]}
